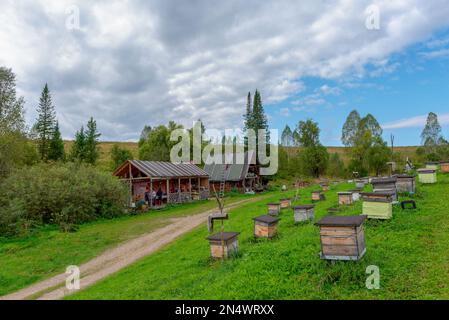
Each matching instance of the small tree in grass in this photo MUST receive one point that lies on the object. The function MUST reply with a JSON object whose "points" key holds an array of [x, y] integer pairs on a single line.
{"points": [[56, 151]]}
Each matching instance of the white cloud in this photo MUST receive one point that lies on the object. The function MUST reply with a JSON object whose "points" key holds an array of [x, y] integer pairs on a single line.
{"points": [[138, 62], [415, 122]]}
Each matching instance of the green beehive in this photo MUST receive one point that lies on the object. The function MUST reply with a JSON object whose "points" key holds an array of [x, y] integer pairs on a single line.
{"points": [[427, 175], [377, 205]]}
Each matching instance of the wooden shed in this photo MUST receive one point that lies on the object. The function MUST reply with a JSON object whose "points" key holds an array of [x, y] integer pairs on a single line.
{"points": [[304, 212], [286, 203], [444, 166], [427, 175], [223, 244], [342, 237], [159, 183], [377, 205], [265, 226], [318, 196], [274, 208], [406, 183], [383, 185], [433, 165]]}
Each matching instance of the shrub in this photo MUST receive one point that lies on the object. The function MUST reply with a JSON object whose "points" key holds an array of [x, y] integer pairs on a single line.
{"points": [[65, 195]]}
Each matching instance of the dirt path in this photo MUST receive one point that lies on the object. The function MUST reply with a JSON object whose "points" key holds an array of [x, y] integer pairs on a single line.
{"points": [[117, 258]]}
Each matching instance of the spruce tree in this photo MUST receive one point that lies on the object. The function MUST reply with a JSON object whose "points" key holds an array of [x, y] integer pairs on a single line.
{"points": [[248, 115], [259, 119], [91, 146], [56, 151], [45, 123], [78, 152]]}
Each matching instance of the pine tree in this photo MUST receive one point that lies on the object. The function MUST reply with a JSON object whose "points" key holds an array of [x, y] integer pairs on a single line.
{"points": [[45, 123], [56, 151], [259, 119], [78, 152], [248, 116], [91, 146]]}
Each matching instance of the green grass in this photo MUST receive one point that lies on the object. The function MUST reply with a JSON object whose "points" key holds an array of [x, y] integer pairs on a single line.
{"points": [[48, 251], [411, 251]]}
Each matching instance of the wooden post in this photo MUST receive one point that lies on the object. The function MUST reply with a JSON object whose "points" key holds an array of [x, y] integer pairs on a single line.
{"points": [[168, 191], [151, 192], [179, 190], [190, 188], [199, 188], [130, 184]]}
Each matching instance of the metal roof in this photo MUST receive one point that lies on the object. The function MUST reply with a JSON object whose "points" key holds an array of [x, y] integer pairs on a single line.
{"points": [[161, 169], [233, 171]]}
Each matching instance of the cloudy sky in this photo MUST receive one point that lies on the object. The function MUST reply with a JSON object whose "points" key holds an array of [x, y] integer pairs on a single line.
{"points": [[131, 63]]}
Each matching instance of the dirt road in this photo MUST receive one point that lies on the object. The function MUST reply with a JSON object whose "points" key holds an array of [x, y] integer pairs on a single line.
{"points": [[117, 258]]}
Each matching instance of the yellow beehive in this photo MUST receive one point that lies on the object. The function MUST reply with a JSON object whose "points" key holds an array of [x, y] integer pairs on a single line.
{"points": [[427, 175]]}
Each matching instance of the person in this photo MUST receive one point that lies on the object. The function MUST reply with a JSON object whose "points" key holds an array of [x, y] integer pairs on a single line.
{"points": [[148, 194], [159, 195]]}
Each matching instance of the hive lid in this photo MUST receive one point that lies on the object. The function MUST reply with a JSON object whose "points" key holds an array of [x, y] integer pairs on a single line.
{"points": [[226, 236], [273, 204], [342, 221], [444, 162], [266, 219], [345, 193], [285, 199], [304, 206], [432, 162], [426, 170], [405, 176], [383, 193], [383, 180]]}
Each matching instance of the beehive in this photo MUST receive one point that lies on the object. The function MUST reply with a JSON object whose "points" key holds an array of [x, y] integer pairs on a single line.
{"points": [[405, 183], [286, 203], [444, 166], [304, 212], [265, 226], [274, 208], [377, 205], [356, 194], [324, 186], [345, 198], [360, 183], [427, 175], [223, 244], [317, 196], [432, 165], [385, 185], [342, 237]]}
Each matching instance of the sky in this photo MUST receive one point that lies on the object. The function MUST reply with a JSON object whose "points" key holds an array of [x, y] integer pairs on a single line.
{"points": [[135, 63]]}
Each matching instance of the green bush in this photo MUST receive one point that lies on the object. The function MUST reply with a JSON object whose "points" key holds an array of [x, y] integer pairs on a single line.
{"points": [[65, 195]]}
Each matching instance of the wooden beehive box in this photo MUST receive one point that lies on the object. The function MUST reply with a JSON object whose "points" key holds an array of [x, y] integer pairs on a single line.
{"points": [[304, 212], [360, 183], [345, 198], [274, 208], [324, 186], [317, 196], [385, 185], [432, 165], [286, 203], [377, 205], [406, 183], [444, 166], [265, 226], [427, 175], [223, 244], [342, 237]]}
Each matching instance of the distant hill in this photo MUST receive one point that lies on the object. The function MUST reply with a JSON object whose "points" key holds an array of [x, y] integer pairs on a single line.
{"points": [[106, 146]]}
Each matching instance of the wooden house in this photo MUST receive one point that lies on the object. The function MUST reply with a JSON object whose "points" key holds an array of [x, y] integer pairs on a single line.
{"points": [[304, 212], [318, 196], [433, 165], [274, 208], [444, 166], [345, 198], [383, 185], [286, 203], [239, 171], [377, 205], [342, 237], [265, 226], [406, 183], [159, 183], [223, 244], [427, 175]]}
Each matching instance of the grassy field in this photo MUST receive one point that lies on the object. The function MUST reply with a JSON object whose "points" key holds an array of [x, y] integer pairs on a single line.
{"points": [[411, 251], [48, 251]]}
